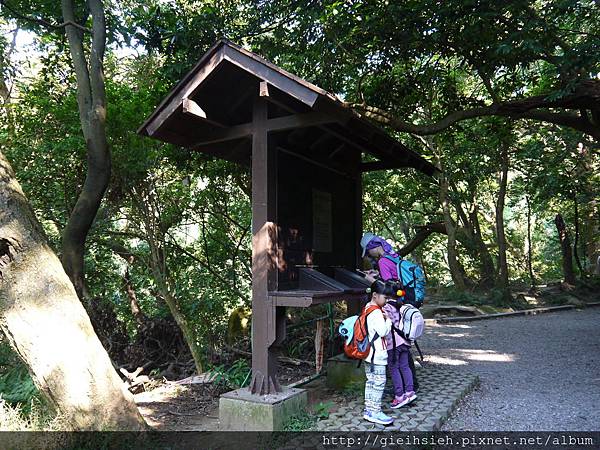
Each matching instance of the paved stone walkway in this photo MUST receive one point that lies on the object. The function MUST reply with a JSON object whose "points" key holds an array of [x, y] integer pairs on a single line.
{"points": [[440, 389]]}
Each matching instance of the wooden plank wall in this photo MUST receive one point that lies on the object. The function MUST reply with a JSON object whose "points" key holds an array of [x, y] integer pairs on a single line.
{"points": [[296, 180]]}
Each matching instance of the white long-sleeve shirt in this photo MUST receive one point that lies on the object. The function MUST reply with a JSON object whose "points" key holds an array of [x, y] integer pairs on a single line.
{"points": [[377, 324]]}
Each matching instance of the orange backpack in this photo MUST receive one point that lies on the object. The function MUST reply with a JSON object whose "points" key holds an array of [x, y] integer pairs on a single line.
{"points": [[360, 346]]}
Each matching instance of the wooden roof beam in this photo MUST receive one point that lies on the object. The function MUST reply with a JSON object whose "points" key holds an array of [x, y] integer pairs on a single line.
{"points": [[302, 120], [184, 89], [261, 68], [191, 108], [278, 124], [225, 134]]}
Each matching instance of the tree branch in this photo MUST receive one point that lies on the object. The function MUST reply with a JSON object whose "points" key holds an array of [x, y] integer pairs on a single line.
{"points": [[43, 22], [580, 123], [585, 96], [424, 232], [80, 66], [97, 56]]}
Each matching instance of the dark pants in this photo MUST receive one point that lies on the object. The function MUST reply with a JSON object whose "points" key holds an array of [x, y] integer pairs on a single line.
{"points": [[398, 364], [411, 364]]}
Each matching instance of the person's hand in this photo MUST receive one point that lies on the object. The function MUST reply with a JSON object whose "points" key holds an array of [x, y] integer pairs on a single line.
{"points": [[371, 275], [385, 316]]}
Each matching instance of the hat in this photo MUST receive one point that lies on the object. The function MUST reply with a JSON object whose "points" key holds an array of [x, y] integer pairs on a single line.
{"points": [[365, 241]]}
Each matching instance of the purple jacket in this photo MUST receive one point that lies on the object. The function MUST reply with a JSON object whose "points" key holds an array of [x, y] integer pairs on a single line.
{"points": [[387, 269]]}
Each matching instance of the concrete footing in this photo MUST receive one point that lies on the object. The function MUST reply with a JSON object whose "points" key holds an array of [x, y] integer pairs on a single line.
{"points": [[343, 372], [240, 410]]}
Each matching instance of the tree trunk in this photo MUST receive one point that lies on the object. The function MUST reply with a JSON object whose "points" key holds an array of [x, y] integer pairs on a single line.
{"points": [[147, 202], [6, 113], [592, 236], [470, 236], [486, 264], [48, 327], [424, 231], [567, 253], [136, 311], [590, 214], [529, 243], [576, 243], [173, 304], [502, 260], [453, 263], [91, 99]]}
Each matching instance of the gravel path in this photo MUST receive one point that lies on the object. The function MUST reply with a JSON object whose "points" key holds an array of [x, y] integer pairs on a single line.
{"points": [[537, 372]]}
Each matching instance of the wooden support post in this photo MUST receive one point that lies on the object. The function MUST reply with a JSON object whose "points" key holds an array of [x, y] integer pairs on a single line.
{"points": [[268, 321], [319, 345], [354, 307]]}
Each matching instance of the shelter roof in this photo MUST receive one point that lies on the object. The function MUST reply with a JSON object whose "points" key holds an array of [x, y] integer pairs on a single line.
{"points": [[210, 110]]}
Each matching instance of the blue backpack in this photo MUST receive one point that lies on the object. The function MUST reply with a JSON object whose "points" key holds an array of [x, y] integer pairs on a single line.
{"points": [[412, 278]]}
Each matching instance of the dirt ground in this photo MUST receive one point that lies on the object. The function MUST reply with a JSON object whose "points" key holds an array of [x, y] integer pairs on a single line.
{"points": [[180, 407], [195, 407]]}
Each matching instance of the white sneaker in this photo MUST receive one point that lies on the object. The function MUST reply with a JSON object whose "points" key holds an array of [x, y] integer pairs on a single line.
{"points": [[410, 397], [380, 418]]}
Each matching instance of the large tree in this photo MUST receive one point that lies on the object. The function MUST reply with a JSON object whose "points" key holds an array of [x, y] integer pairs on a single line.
{"points": [[48, 327]]}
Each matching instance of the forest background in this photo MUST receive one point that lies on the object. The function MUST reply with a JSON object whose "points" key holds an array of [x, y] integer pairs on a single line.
{"points": [[504, 97]]}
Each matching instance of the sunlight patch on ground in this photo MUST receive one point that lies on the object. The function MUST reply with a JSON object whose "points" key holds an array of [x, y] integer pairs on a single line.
{"points": [[452, 335], [458, 325], [162, 394], [446, 361], [486, 355]]}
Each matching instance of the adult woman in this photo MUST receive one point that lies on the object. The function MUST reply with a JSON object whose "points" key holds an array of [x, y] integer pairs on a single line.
{"points": [[375, 247]]}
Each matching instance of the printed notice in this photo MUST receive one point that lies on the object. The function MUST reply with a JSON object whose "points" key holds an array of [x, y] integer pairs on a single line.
{"points": [[322, 221]]}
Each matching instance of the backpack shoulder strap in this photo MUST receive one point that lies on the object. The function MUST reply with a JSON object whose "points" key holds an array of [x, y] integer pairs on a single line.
{"points": [[395, 260], [398, 262], [419, 349], [370, 309], [399, 331], [366, 312]]}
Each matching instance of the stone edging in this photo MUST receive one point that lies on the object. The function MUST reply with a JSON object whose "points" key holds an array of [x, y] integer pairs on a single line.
{"points": [[525, 312], [470, 388]]}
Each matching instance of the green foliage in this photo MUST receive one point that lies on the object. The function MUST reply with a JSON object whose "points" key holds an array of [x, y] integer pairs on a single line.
{"points": [[354, 389], [463, 297], [22, 407], [300, 422], [321, 410], [307, 420], [16, 386], [185, 218], [233, 377]]}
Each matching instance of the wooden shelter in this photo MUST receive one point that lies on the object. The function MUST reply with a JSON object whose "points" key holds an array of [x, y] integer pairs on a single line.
{"points": [[306, 150]]}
